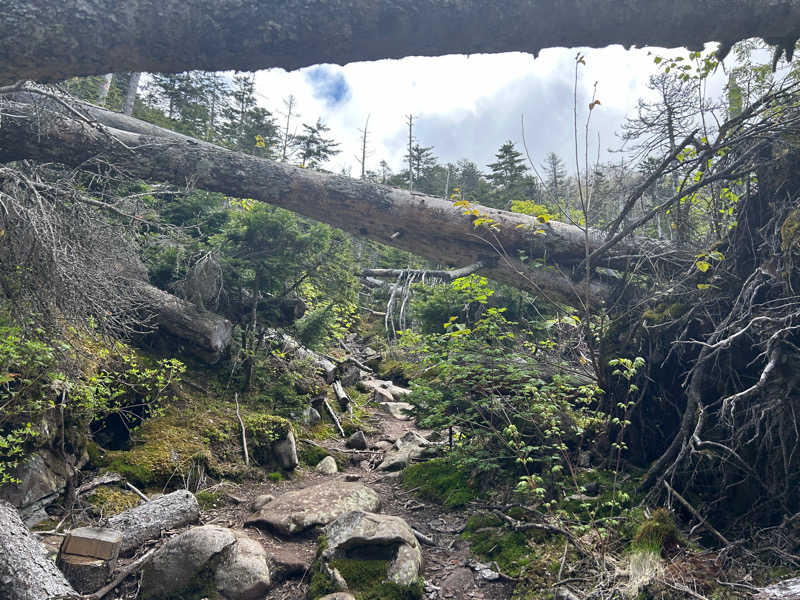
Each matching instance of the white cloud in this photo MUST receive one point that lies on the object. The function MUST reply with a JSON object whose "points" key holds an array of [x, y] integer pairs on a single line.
{"points": [[467, 106]]}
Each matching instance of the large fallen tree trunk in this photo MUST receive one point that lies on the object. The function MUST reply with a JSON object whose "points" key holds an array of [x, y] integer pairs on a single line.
{"points": [[208, 334], [427, 226], [40, 39], [26, 572]]}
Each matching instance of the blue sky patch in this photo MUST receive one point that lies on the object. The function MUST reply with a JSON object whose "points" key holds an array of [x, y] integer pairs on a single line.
{"points": [[329, 84]]}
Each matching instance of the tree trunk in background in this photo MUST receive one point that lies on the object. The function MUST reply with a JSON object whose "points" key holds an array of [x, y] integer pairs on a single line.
{"points": [[26, 572], [130, 97], [425, 225], [102, 94], [46, 40]]}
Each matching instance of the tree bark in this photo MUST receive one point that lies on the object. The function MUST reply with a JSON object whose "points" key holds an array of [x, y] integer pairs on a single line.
{"points": [[147, 521], [45, 40], [130, 96], [26, 573], [425, 225], [208, 334]]}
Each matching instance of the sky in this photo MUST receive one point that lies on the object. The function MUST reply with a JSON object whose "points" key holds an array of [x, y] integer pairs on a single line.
{"points": [[468, 106]]}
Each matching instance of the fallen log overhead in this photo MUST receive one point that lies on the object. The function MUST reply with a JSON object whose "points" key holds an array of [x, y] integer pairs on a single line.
{"points": [[427, 226], [46, 40]]}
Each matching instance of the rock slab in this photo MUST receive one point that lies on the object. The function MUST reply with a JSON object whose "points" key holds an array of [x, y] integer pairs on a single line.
{"points": [[412, 446], [233, 563], [363, 533], [315, 505]]}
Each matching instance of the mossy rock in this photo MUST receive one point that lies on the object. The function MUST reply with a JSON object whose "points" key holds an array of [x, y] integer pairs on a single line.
{"points": [[365, 577], [311, 455], [162, 451], [440, 481]]}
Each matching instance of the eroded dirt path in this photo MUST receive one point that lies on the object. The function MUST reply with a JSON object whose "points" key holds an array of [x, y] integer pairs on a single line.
{"points": [[448, 565]]}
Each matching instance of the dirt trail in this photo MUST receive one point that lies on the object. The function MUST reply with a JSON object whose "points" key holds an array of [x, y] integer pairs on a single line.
{"points": [[447, 573]]}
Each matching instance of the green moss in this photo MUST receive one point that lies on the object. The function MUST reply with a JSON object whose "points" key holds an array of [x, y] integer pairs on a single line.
{"points": [[164, 450], [491, 541], [312, 455], [97, 456], [275, 476], [111, 501], [439, 480], [207, 499], [658, 533], [361, 575], [263, 430], [393, 591]]}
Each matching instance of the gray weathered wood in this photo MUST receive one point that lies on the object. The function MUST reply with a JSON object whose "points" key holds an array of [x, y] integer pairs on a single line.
{"points": [[147, 521], [26, 572], [428, 226], [42, 39]]}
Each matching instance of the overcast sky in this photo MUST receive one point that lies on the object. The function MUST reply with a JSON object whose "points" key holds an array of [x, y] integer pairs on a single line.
{"points": [[467, 106]]}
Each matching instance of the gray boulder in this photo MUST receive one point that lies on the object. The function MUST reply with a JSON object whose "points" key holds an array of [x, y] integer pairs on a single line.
{"points": [[315, 505], [285, 452], [42, 478], [176, 565], [244, 572], [237, 565], [362, 533], [357, 441], [412, 446], [327, 466], [398, 410]]}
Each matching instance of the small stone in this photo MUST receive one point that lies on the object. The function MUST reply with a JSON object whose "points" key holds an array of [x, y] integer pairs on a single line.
{"points": [[327, 466], [489, 575], [338, 596], [261, 501], [357, 441]]}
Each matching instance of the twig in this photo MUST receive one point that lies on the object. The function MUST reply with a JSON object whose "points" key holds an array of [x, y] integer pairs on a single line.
{"points": [[333, 417], [131, 568], [424, 538], [700, 517], [137, 491], [244, 435], [97, 482]]}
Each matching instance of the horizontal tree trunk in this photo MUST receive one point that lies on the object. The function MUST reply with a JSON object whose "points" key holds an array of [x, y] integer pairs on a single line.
{"points": [[26, 572], [46, 40], [425, 225], [147, 521], [208, 334]]}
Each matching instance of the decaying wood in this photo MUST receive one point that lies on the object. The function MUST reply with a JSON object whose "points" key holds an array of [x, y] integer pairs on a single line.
{"points": [[134, 567], [136, 491], [103, 479], [709, 527], [244, 433], [428, 226], [26, 573], [147, 521], [341, 395], [423, 273], [333, 416], [208, 334], [40, 39]]}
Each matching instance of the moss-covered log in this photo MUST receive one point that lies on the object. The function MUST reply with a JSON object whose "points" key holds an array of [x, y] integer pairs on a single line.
{"points": [[45, 40]]}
